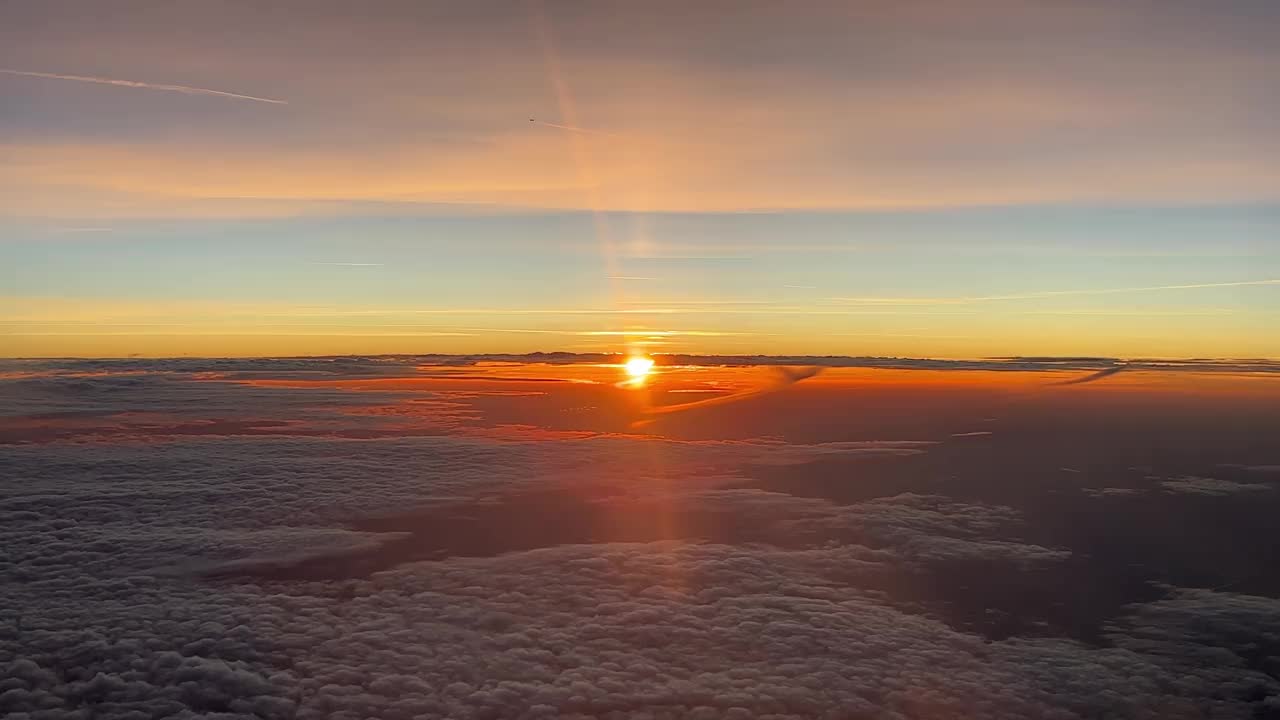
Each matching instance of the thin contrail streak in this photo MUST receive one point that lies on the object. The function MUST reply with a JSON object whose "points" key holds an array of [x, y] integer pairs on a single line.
{"points": [[783, 377], [1109, 291], [1094, 376], [572, 128], [185, 89], [1047, 294]]}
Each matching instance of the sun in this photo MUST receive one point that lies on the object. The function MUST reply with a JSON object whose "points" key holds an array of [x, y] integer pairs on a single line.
{"points": [[638, 367]]}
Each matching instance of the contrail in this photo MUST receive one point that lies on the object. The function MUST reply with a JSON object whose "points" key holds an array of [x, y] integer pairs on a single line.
{"points": [[185, 89], [1045, 294], [572, 128], [784, 377], [1094, 376]]}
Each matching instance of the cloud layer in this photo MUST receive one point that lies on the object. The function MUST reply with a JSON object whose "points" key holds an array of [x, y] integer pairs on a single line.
{"points": [[145, 578]]}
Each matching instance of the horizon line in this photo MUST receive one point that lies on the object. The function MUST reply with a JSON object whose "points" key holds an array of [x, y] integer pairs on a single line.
{"points": [[738, 359]]}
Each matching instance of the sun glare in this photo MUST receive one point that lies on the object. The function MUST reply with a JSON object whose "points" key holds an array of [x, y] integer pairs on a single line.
{"points": [[638, 367]]}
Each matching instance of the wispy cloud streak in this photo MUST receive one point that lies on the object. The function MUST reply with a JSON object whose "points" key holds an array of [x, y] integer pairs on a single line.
{"points": [[185, 89], [1044, 294]]}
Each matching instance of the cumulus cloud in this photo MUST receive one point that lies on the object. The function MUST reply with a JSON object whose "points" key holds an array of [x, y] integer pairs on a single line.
{"points": [[1237, 634], [624, 631]]}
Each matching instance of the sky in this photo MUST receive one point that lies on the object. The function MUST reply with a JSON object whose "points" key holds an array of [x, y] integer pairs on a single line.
{"points": [[965, 179]]}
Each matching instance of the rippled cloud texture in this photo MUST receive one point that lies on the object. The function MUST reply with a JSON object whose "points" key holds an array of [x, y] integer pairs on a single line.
{"points": [[245, 539]]}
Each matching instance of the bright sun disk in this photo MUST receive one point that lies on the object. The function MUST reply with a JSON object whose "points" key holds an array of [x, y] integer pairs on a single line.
{"points": [[638, 367]]}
